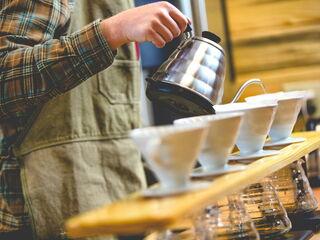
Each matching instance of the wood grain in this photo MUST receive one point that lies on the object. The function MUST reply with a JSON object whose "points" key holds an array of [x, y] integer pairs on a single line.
{"points": [[137, 214], [264, 18], [272, 53], [277, 41]]}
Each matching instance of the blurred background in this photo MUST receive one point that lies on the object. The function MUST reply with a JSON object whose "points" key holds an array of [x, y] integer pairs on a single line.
{"points": [[276, 41]]}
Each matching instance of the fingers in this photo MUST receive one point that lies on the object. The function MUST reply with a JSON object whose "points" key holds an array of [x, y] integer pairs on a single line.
{"points": [[164, 32], [171, 25], [156, 39], [179, 18], [168, 24], [189, 21]]}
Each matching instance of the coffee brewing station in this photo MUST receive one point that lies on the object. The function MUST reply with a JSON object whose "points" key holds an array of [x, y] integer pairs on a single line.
{"points": [[238, 158]]}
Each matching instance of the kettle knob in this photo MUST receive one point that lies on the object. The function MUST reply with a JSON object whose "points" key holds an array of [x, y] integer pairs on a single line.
{"points": [[187, 33], [211, 36], [188, 29]]}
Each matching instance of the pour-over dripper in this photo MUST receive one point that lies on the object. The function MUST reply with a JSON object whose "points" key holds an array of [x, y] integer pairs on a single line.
{"points": [[219, 142], [289, 106], [171, 152], [255, 126]]}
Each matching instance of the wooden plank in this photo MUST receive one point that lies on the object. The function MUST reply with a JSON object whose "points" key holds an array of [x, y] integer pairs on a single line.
{"points": [[138, 214], [257, 18], [315, 237], [274, 40], [293, 50]]}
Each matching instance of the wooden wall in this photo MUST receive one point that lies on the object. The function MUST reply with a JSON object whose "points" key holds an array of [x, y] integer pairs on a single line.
{"points": [[275, 40]]}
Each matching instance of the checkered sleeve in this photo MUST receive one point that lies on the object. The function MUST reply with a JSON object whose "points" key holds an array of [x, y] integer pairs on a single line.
{"points": [[35, 65]]}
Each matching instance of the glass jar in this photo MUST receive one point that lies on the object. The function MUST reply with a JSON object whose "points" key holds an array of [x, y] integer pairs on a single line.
{"points": [[265, 209]]}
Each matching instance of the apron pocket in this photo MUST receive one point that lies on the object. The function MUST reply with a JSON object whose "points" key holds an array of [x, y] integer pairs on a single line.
{"points": [[119, 83]]}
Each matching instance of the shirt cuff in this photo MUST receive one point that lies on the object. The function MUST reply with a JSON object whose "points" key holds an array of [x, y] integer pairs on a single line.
{"points": [[93, 51], [102, 39]]}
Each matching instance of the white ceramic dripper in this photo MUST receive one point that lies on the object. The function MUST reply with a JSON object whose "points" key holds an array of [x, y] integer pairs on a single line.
{"points": [[255, 126], [171, 151], [222, 134], [289, 106]]}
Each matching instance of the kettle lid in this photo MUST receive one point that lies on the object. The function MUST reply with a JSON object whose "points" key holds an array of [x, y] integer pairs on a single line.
{"points": [[211, 36]]}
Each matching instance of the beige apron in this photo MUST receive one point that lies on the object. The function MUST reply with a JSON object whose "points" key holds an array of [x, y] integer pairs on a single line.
{"points": [[76, 156]]}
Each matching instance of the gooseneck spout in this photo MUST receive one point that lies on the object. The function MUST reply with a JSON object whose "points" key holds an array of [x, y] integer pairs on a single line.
{"points": [[245, 85]]}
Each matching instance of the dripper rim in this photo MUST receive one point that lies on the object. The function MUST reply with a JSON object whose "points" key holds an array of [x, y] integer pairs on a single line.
{"points": [[250, 106], [208, 118]]}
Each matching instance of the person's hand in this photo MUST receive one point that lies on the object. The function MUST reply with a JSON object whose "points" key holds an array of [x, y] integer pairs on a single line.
{"points": [[158, 23]]}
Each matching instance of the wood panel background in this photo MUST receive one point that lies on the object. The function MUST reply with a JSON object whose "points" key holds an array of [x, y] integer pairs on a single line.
{"points": [[275, 40]]}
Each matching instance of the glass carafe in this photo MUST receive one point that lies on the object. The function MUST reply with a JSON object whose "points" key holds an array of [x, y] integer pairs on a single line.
{"points": [[265, 209], [228, 220], [294, 190], [179, 234], [196, 227]]}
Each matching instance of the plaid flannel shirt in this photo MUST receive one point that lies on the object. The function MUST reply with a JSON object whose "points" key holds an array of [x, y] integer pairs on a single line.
{"points": [[38, 61]]}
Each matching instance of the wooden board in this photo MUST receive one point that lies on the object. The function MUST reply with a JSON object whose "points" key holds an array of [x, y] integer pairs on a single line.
{"points": [[316, 237], [272, 53], [137, 214], [259, 19], [273, 37], [277, 41]]}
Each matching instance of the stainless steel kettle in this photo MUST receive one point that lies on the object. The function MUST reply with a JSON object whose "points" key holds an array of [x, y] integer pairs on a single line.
{"points": [[191, 81]]}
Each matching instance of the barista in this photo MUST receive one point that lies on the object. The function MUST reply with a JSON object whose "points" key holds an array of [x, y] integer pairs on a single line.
{"points": [[64, 145]]}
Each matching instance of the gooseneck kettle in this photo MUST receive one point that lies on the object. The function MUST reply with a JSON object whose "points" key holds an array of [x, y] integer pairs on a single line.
{"points": [[191, 80]]}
